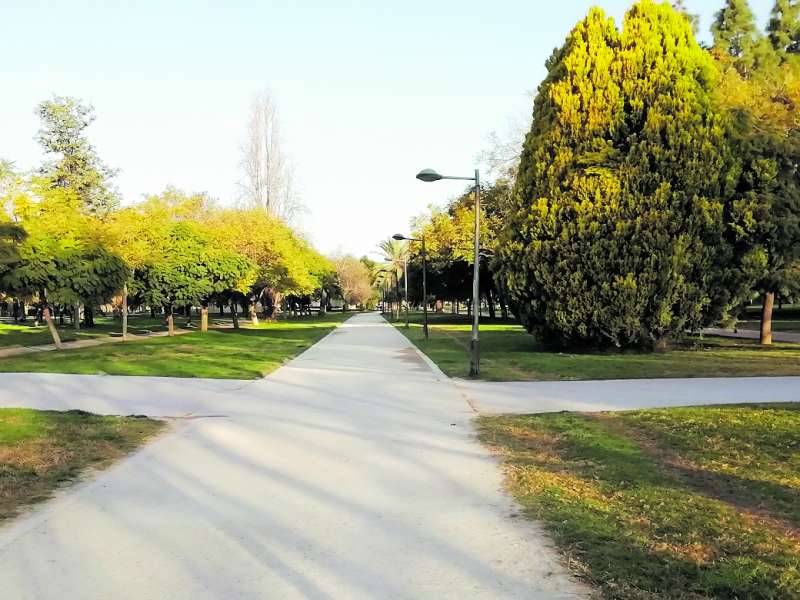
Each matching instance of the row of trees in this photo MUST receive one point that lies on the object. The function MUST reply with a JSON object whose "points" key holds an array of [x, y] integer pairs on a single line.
{"points": [[65, 242], [657, 190]]}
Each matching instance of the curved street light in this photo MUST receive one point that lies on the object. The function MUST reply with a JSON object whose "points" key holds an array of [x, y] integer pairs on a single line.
{"points": [[401, 237], [429, 175]]}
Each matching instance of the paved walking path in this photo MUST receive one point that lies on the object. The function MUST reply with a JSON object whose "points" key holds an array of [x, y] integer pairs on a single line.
{"points": [[353, 472], [525, 397]]}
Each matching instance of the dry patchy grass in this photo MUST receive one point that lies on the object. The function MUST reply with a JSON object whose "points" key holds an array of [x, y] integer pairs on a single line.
{"points": [[699, 502], [42, 450]]}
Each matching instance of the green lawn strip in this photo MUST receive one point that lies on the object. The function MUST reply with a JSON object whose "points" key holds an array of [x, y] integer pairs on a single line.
{"points": [[509, 353], [247, 353], [697, 502], [789, 326], [28, 334], [42, 450]]}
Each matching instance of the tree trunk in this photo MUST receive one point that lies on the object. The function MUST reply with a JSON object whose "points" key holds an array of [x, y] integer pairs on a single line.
{"points": [[170, 324], [76, 316], [490, 302], [323, 303], [51, 326], [45, 310], [253, 314], [235, 314], [125, 311], [204, 318], [188, 310], [767, 304], [88, 316]]}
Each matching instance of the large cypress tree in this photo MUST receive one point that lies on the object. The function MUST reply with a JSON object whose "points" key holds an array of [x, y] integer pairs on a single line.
{"points": [[614, 236]]}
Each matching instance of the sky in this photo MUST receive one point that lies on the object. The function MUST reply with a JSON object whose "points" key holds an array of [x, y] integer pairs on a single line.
{"points": [[368, 93]]}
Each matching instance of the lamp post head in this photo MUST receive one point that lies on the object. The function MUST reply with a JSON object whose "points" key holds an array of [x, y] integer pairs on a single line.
{"points": [[398, 237], [428, 175]]}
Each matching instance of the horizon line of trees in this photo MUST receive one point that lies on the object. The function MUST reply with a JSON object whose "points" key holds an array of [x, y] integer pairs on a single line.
{"points": [[66, 243]]}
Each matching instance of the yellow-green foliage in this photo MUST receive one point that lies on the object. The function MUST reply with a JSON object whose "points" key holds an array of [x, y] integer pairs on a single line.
{"points": [[615, 229]]}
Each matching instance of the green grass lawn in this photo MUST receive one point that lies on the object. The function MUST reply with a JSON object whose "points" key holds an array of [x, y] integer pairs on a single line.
{"points": [[27, 334], [783, 319], [247, 353], [782, 325], [42, 450], [509, 353], [672, 503]]}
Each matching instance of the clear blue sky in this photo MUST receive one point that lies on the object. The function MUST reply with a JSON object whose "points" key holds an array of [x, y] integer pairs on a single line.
{"points": [[368, 92]]}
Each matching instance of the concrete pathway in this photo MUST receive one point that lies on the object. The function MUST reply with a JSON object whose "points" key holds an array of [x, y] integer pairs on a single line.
{"points": [[749, 334], [554, 396], [353, 472]]}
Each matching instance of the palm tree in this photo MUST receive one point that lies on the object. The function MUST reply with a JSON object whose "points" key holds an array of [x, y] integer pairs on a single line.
{"points": [[395, 256]]}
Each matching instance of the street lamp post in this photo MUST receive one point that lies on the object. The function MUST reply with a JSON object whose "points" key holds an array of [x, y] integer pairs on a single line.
{"points": [[405, 283], [429, 175], [399, 237]]}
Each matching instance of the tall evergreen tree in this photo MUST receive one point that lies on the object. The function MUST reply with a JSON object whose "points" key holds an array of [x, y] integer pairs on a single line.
{"points": [[735, 34], [784, 28], [76, 167], [614, 234]]}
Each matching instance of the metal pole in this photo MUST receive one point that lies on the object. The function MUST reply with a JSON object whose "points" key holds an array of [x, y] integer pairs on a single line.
{"points": [[425, 288], [405, 282], [475, 355]]}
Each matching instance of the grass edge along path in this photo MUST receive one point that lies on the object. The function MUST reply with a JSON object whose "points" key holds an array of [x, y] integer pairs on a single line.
{"points": [[509, 353], [246, 353], [696, 502], [43, 451]]}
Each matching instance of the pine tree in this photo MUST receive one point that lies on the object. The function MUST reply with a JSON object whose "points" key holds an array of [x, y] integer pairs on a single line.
{"points": [[784, 28], [77, 167], [615, 231], [736, 35]]}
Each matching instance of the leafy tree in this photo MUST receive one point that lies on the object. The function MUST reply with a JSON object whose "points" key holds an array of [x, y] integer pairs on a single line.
{"points": [[765, 215], [188, 269], [614, 233], [11, 235], [784, 28], [63, 257], [283, 262], [355, 280]]}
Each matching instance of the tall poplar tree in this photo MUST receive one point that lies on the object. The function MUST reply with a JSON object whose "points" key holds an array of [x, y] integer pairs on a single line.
{"points": [[614, 234]]}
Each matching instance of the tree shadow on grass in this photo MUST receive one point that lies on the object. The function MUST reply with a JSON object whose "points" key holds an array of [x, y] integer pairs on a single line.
{"points": [[639, 528]]}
